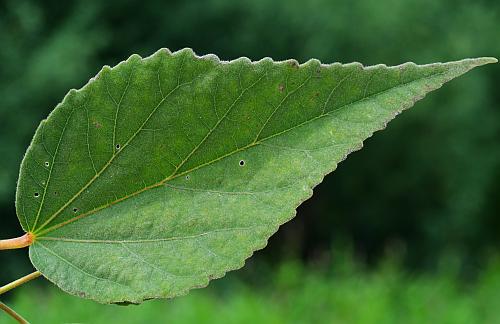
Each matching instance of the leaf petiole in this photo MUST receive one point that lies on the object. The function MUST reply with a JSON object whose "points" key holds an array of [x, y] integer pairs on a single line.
{"points": [[11, 286], [18, 242], [13, 314], [19, 282]]}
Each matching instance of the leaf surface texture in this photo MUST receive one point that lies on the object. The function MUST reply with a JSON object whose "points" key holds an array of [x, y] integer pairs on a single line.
{"points": [[165, 172]]}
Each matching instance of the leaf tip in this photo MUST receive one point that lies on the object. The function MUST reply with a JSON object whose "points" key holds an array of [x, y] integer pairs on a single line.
{"points": [[485, 60]]}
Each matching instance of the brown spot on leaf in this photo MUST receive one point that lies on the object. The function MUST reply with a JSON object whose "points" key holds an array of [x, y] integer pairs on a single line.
{"points": [[281, 87], [97, 124], [125, 303]]}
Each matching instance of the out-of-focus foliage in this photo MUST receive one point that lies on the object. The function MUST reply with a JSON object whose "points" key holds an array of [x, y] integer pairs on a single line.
{"points": [[295, 294], [428, 184]]}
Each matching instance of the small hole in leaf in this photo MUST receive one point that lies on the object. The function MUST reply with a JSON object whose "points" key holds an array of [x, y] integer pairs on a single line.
{"points": [[55, 193], [242, 162], [36, 195], [118, 146], [187, 177], [75, 210], [47, 163]]}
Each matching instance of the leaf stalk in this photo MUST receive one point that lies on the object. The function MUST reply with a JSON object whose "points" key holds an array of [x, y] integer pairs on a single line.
{"points": [[11, 286], [19, 282], [12, 313], [18, 242]]}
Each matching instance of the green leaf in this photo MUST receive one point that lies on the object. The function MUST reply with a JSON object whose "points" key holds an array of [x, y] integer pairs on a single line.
{"points": [[165, 172]]}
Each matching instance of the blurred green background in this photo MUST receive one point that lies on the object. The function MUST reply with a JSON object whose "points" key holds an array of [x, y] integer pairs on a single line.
{"points": [[406, 230]]}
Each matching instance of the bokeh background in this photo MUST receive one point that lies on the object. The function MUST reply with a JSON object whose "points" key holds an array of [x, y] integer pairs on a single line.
{"points": [[406, 230]]}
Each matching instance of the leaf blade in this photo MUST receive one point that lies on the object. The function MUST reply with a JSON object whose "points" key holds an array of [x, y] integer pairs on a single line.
{"points": [[252, 141]]}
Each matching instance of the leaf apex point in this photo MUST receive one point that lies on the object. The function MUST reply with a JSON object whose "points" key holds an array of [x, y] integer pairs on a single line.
{"points": [[481, 61], [490, 59]]}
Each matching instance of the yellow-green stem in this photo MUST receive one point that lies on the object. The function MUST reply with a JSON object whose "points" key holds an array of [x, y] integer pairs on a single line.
{"points": [[17, 243], [11, 286], [13, 314], [19, 282]]}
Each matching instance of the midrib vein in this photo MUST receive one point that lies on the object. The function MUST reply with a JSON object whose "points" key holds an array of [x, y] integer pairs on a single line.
{"points": [[174, 238], [176, 175]]}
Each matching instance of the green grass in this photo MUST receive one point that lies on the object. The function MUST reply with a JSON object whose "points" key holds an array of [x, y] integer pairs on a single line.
{"points": [[293, 294]]}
